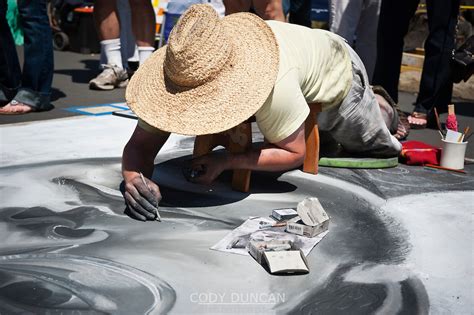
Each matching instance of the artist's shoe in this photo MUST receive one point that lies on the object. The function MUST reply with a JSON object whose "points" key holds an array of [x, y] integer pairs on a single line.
{"points": [[16, 108], [112, 77]]}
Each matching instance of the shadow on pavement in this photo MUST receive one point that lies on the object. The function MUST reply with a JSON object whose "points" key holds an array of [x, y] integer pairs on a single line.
{"points": [[82, 75], [173, 186], [56, 94]]}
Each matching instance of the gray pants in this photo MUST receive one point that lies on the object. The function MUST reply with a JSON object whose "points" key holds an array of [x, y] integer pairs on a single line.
{"points": [[357, 123]]}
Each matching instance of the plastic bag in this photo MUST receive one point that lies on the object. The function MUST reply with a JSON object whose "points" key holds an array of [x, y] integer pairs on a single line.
{"points": [[12, 18]]}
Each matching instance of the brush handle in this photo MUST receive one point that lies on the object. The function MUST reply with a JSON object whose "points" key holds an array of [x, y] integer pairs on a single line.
{"points": [[438, 123], [465, 138], [444, 168], [451, 109]]}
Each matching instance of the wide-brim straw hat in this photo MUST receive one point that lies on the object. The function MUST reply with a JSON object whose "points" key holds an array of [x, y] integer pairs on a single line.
{"points": [[213, 74]]}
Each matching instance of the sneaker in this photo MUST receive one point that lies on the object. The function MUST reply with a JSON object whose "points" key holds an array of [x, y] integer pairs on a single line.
{"points": [[112, 77]]}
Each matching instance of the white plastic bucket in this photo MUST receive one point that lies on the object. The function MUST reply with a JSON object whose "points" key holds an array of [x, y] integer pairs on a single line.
{"points": [[452, 155]]}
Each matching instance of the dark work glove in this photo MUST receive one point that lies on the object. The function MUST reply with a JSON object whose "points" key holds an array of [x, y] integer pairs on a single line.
{"points": [[142, 198]]}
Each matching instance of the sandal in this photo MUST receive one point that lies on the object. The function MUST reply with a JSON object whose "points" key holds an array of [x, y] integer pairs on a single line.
{"points": [[400, 127], [418, 120], [16, 108]]}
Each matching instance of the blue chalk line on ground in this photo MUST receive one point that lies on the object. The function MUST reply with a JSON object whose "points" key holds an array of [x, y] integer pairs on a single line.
{"points": [[97, 110]]}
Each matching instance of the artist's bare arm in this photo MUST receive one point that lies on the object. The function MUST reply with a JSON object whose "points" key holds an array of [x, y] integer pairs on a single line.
{"points": [[140, 152], [284, 155], [141, 195]]}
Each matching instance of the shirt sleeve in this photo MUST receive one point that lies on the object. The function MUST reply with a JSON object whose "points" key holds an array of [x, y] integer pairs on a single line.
{"points": [[285, 109], [148, 128]]}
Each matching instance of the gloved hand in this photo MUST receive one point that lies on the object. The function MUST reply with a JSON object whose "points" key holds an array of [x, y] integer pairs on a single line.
{"points": [[142, 198]]}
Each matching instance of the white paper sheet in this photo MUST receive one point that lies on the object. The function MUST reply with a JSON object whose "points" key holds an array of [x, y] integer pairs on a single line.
{"points": [[236, 242]]}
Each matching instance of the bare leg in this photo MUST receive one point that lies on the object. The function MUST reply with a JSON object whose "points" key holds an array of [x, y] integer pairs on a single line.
{"points": [[388, 115], [143, 22], [234, 6], [107, 24], [385, 109], [269, 9], [106, 20]]}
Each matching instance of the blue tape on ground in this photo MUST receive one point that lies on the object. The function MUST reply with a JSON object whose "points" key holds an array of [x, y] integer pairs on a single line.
{"points": [[82, 110]]}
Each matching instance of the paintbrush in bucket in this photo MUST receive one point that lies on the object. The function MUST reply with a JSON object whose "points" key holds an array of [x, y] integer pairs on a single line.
{"points": [[461, 137], [438, 124]]}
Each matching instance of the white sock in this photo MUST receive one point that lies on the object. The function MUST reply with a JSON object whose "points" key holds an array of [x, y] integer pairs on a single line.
{"points": [[144, 52], [111, 49], [134, 58]]}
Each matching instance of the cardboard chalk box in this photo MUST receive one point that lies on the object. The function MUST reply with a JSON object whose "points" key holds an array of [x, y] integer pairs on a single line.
{"points": [[284, 214], [312, 220], [279, 256]]}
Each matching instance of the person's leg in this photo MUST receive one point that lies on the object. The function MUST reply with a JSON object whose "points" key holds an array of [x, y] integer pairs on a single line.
{"points": [[143, 24], [300, 12], [269, 9], [10, 71], [108, 27], [436, 84], [394, 117], [106, 19], [234, 6], [358, 124], [35, 91], [366, 43], [344, 17], [393, 25], [127, 39]]}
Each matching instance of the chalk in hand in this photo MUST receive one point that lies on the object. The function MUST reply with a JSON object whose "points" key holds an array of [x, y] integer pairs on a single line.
{"points": [[158, 217]]}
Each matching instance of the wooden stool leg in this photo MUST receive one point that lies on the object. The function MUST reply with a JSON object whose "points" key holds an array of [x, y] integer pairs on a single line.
{"points": [[311, 158], [240, 140], [203, 145]]}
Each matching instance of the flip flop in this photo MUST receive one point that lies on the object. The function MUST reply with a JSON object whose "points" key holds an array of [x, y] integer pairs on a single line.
{"points": [[400, 127], [17, 108], [420, 116]]}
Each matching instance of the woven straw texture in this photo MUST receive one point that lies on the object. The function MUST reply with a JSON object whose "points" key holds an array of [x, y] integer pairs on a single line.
{"points": [[213, 74]]}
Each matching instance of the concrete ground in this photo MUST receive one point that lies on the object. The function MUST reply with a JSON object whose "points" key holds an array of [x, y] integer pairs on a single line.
{"points": [[399, 241]]}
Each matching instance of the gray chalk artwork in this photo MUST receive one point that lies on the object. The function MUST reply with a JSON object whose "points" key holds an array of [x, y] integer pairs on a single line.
{"points": [[67, 247]]}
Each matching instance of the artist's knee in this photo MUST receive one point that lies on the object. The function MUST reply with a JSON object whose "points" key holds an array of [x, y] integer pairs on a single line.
{"points": [[298, 158]]}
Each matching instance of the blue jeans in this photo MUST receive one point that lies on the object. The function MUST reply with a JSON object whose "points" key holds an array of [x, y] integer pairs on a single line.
{"points": [[33, 85]]}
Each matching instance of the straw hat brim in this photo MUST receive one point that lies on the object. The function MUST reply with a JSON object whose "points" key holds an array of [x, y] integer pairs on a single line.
{"points": [[233, 96]]}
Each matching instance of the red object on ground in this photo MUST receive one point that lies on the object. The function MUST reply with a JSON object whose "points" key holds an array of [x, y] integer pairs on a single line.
{"points": [[419, 153], [451, 121]]}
